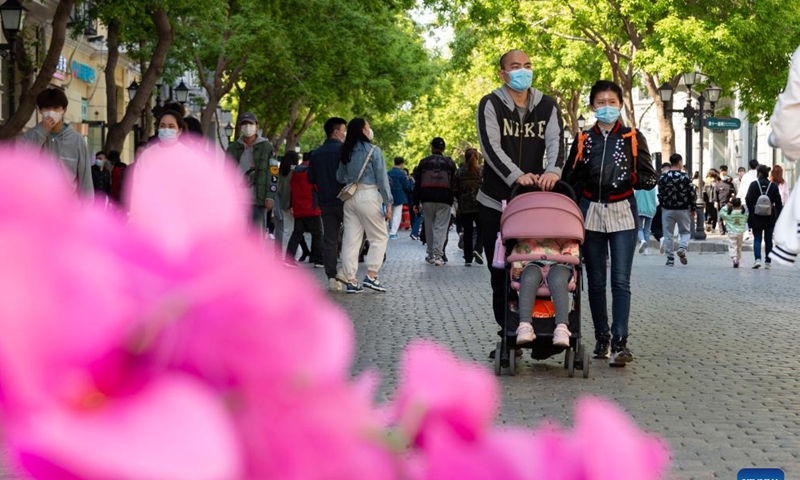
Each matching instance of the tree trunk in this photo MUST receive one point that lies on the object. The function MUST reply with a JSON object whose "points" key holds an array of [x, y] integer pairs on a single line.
{"points": [[165, 35], [665, 127], [112, 115], [27, 102], [207, 114]]}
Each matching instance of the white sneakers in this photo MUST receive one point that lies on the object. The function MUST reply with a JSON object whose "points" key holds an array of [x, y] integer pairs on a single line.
{"points": [[334, 285], [642, 246], [525, 333], [560, 336]]}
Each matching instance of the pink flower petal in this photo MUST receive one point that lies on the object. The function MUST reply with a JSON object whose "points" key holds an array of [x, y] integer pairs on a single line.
{"points": [[432, 388], [499, 454], [182, 193], [174, 429], [633, 453]]}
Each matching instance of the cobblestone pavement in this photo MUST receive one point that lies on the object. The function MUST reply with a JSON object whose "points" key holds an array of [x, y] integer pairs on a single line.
{"points": [[716, 370]]}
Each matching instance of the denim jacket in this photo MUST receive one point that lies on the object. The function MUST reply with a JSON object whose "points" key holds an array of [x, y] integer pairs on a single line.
{"points": [[374, 174]]}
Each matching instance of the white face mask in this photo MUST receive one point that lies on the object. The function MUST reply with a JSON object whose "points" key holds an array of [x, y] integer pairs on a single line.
{"points": [[167, 135], [370, 134], [248, 130], [57, 116]]}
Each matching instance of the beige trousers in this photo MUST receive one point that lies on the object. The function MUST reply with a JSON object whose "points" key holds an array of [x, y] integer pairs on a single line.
{"points": [[363, 214]]}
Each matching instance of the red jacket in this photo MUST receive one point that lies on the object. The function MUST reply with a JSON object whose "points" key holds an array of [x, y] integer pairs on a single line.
{"points": [[304, 195]]}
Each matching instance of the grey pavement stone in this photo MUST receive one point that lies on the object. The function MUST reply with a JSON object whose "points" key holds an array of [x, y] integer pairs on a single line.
{"points": [[715, 373]]}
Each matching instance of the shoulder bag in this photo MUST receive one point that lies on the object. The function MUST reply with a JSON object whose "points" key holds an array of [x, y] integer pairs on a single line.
{"points": [[348, 191]]}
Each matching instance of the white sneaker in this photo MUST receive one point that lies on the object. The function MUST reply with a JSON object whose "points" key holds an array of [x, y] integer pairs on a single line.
{"points": [[646, 251], [767, 266], [525, 333], [642, 246], [334, 285], [662, 246], [757, 264], [561, 336]]}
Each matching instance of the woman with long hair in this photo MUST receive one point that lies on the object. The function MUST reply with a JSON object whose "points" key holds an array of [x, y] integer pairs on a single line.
{"points": [[465, 185], [363, 213], [777, 178]]}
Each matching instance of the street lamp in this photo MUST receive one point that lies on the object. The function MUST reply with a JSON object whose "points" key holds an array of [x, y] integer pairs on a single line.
{"points": [[132, 88], [182, 93], [581, 122], [689, 112], [229, 130], [13, 16]]}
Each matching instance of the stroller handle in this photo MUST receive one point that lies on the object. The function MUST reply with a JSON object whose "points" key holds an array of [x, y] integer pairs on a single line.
{"points": [[561, 187]]}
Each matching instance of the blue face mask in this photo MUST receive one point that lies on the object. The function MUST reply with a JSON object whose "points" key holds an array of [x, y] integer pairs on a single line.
{"points": [[167, 135], [521, 79], [607, 115]]}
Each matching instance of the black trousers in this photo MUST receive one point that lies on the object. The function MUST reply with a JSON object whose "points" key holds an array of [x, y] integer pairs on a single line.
{"points": [[332, 218], [490, 225], [471, 223], [312, 225]]}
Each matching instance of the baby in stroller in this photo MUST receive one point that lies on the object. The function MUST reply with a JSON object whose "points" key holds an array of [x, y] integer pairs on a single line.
{"points": [[531, 274]]}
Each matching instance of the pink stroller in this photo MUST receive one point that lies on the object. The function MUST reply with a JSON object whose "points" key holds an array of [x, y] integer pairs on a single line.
{"points": [[541, 215]]}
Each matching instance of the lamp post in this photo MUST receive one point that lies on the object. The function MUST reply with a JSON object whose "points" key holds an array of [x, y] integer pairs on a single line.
{"points": [[229, 130], [581, 122], [690, 113], [182, 93], [13, 15]]}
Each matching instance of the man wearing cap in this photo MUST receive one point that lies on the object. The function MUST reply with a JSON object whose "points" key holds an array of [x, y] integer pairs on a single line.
{"points": [[252, 155], [517, 125], [432, 190]]}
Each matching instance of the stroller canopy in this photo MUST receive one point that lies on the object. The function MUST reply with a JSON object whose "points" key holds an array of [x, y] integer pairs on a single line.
{"points": [[542, 215]]}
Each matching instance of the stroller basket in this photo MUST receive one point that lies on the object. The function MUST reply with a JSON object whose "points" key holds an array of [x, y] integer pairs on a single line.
{"points": [[542, 215]]}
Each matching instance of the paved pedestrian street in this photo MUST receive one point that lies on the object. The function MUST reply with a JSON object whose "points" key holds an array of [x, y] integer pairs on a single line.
{"points": [[716, 369]]}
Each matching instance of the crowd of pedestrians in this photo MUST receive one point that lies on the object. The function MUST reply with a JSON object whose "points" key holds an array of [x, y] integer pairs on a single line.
{"points": [[342, 194]]}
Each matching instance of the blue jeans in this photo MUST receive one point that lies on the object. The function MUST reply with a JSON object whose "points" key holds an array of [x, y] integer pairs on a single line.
{"points": [[416, 223], [644, 228], [596, 246], [766, 233]]}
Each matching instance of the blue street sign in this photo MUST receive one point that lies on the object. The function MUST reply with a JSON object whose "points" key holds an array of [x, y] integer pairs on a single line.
{"points": [[722, 123]]}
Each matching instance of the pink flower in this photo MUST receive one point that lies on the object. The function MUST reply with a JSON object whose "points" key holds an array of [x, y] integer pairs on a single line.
{"points": [[272, 344], [632, 453], [432, 391], [73, 292]]}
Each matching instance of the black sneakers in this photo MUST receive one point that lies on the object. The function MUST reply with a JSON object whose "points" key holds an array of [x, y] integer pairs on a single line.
{"points": [[601, 348], [620, 354]]}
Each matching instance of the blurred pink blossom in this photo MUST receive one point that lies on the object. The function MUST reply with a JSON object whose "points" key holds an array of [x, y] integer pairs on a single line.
{"points": [[176, 347]]}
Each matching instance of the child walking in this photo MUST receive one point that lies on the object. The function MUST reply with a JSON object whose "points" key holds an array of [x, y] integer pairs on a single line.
{"points": [[735, 217], [530, 273]]}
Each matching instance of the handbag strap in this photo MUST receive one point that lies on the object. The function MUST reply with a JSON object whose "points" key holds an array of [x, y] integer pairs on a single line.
{"points": [[364, 167]]}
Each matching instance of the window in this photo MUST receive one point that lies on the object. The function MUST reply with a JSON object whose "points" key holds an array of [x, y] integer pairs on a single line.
{"points": [[81, 20]]}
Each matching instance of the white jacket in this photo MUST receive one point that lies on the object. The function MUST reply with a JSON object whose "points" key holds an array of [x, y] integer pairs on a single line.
{"points": [[785, 121], [787, 232]]}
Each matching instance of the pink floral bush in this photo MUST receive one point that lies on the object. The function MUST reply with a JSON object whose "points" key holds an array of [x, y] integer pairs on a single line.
{"points": [[172, 346]]}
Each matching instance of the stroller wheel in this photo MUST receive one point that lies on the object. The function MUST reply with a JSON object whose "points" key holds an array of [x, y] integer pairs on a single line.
{"points": [[512, 362], [579, 357], [586, 364], [498, 353], [570, 362]]}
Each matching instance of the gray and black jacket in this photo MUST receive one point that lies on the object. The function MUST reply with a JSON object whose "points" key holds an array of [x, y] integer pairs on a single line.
{"points": [[512, 146]]}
